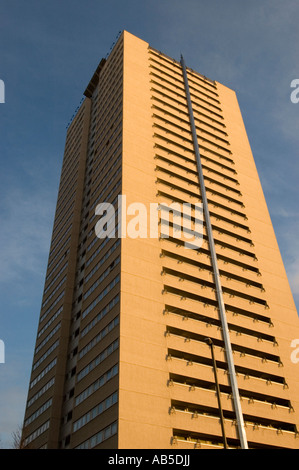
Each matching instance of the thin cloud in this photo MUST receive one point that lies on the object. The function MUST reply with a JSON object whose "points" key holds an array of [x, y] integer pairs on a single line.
{"points": [[13, 390], [25, 234]]}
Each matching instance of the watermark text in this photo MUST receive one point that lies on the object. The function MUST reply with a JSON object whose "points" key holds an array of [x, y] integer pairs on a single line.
{"points": [[295, 353], [2, 92], [2, 352], [295, 93], [182, 221]]}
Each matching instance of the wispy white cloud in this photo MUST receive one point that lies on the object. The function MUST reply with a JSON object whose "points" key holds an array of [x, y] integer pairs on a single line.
{"points": [[27, 213], [13, 391], [12, 416]]}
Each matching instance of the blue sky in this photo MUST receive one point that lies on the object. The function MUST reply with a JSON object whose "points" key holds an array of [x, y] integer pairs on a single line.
{"points": [[48, 52]]}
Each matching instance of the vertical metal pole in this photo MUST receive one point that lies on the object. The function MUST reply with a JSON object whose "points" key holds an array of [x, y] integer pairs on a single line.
{"points": [[211, 344], [226, 337]]}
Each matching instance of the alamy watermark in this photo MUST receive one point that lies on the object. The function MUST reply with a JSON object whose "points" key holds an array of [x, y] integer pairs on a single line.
{"points": [[186, 224], [2, 352], [2, 346], [2, 92], [295, 353], [151, 221], [295, 93]]}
